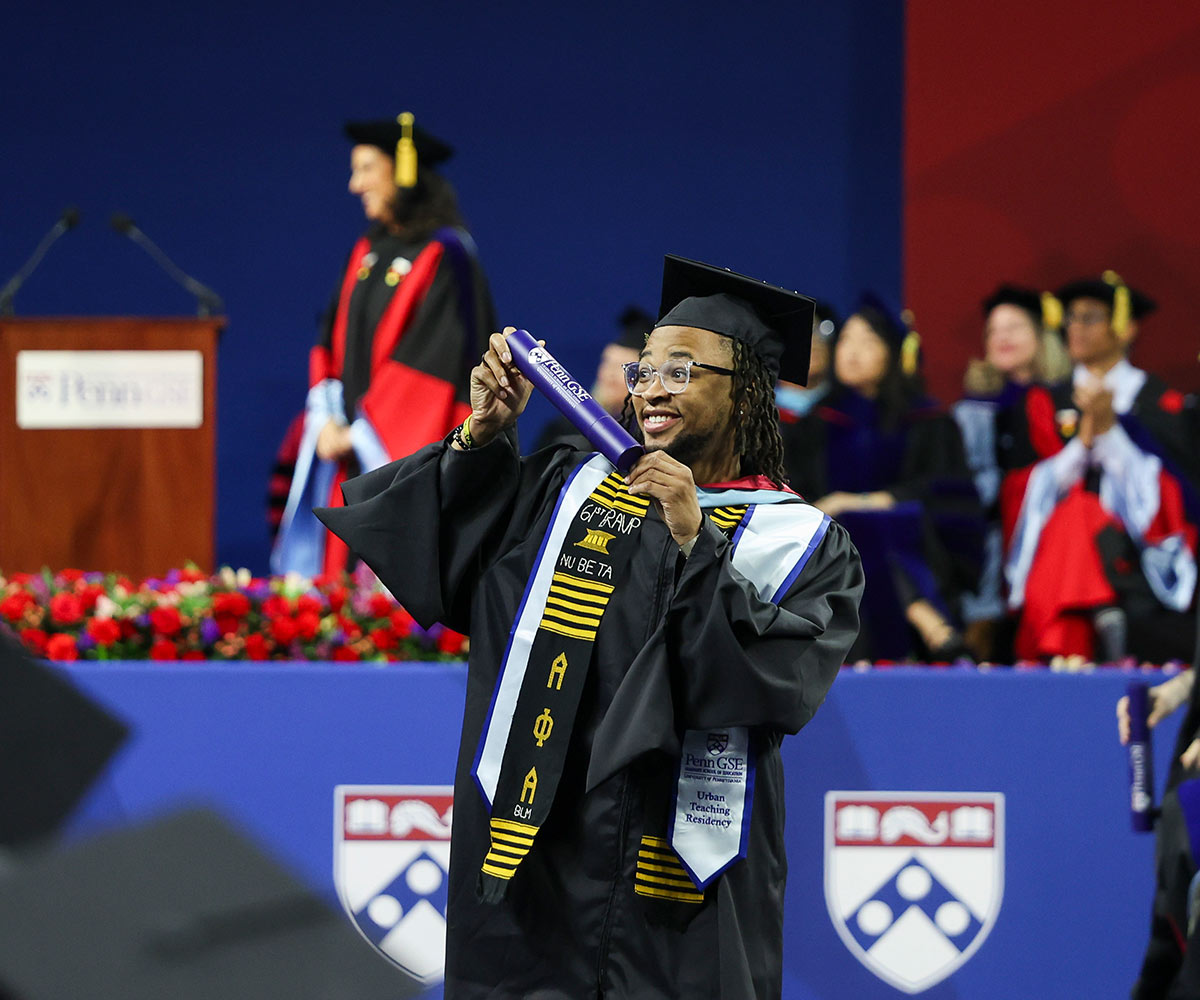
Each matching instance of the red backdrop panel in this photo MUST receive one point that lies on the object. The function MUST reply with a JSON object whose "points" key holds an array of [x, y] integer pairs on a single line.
{"points": [[1042, 144]]}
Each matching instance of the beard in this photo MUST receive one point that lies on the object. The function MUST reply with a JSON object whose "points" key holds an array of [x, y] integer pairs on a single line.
{"points": [[685, 448]]}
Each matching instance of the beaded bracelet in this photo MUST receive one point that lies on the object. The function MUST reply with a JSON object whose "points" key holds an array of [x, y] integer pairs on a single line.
{"points": [[462, 435]]}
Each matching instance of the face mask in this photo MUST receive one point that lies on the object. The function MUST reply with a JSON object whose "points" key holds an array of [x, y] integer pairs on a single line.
{"points": [[797, 400]]}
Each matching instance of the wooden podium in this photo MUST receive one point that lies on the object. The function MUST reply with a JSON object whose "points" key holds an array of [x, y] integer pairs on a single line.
{"points": [[107, 443]]}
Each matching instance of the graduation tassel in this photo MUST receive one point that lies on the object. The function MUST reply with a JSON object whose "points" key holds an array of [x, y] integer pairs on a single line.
{"points": [[1122, 310], [1052, 311], [910, 347], [910, 352], [406, 153]]}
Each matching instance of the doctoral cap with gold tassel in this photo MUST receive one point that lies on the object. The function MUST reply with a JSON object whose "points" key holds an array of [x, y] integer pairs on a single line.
{"points": [[897, 331], [1125, 302], [1043, 308], [409, 145]]}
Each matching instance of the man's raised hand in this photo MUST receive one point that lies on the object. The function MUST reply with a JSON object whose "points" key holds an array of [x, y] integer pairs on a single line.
{"points": [[499, 392]]}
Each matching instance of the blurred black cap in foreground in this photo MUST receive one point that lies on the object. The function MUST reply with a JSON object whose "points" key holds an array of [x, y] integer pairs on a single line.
{"points": [[54, 742], [183, 908]]}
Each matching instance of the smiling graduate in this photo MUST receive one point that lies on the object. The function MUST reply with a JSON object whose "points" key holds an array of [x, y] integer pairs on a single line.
{"points": [[626, 672]]}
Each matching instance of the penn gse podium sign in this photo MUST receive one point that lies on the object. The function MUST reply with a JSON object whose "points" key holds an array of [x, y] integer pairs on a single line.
{"points": [[92, 389], [108, 439]]}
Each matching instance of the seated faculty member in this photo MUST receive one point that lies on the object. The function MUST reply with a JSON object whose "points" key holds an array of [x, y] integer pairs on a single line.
{"points": [[639, 648], [1101, 508], [887, 461]]}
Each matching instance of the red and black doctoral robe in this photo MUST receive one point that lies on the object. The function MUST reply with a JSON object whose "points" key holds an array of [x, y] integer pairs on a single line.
{"points": [[406, 326], [1114, 525]]}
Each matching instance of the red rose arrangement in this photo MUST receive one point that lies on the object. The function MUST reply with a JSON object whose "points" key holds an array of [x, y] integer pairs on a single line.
{"points": [[188, 615]]}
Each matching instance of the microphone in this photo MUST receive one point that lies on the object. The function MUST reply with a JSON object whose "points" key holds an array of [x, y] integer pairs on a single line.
{"points": [[207, 301], [69, 219]]}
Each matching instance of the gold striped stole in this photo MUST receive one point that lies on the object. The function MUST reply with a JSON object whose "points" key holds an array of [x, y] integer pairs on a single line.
{"points": [[612, 492], [510, 843], [728, 518], [575, 606], [660, 875]]}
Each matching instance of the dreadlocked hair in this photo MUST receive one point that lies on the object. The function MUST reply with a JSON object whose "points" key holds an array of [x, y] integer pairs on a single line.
{"points": [[756, 435]]}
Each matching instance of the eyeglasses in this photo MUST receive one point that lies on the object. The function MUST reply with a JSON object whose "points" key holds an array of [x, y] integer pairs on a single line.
{"points": [[674, 375], [1085, 319]]}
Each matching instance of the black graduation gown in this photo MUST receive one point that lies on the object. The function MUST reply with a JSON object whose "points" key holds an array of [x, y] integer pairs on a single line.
{"points": [[685, 644], [1160, 420], [428, 301], [558, 431]]}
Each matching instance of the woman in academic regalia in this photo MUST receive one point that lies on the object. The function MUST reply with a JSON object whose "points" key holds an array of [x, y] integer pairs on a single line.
{"points": [[410, 315], [1022, 349], [887, 462]]}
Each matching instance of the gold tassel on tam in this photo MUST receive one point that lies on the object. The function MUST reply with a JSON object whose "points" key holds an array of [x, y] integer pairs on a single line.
{"points": [[406, 153], [910, 352], [1052, 312], [910, 347], [1122, 309]]}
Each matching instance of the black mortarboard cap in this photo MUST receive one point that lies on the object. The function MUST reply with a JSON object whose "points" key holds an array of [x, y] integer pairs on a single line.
{"points": [[775, 323], [1104, 289], [882, 318], [385, 135], [1015, 295], [54, 741], [635, 325], [185, 908]]}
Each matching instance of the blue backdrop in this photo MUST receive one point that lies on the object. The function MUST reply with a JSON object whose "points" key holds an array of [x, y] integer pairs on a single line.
{"points": [[592, 139], [268, 744]]}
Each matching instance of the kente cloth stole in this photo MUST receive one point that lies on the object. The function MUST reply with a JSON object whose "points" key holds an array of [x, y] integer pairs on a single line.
{"points": [[592, 537], [708, 826]]}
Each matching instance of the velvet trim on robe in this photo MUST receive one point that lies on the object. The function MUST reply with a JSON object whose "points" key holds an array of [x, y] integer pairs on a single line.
{"points": [[394, 361]]}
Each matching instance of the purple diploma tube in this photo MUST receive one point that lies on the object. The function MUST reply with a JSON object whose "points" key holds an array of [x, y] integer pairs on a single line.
{"points": [[1141, 760], [554, 382]]}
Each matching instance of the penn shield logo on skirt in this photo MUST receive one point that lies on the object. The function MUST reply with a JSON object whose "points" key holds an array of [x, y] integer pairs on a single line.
{"points": [[914, 880], [391, 856]]}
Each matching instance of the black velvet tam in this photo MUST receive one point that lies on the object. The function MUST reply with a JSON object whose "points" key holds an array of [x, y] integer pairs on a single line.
{"points": [[385, 134], [1140, 304]]}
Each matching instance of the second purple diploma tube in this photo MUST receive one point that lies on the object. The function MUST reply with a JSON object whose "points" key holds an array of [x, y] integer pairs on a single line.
{"points": [[1141, 761], [575, 403]]}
